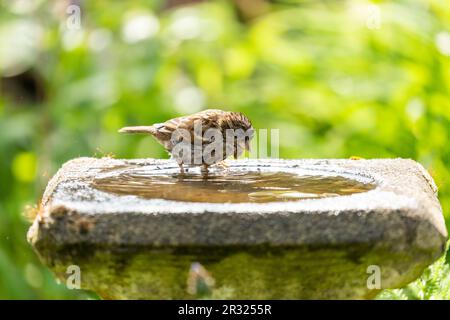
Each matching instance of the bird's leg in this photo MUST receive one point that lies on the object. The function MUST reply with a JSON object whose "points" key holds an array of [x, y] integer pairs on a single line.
{"points": [[204, 169], [181, 168]]}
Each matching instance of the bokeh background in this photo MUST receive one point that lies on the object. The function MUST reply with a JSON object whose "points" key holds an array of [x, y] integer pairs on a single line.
{"points": [[338, 78]]}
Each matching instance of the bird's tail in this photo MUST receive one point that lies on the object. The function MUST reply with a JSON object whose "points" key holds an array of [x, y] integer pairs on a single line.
{"points": [[138, 129]]}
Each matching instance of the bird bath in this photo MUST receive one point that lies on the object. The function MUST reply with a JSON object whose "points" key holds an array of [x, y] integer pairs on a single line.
{"points": [[262, 229]]}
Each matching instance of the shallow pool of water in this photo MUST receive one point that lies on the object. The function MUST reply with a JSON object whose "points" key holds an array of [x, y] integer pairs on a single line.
{"points": [[230, 187]]}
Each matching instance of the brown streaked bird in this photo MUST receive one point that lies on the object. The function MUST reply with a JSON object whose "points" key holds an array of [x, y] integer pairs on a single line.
{"points": [[174, 131]]}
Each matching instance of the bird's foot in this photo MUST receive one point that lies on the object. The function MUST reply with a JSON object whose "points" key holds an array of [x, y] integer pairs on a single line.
{"points": [[223, 165], [204, 170]]}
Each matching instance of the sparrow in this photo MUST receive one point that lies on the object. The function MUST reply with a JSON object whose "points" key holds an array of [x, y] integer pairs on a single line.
{"points": [[201, 139]]}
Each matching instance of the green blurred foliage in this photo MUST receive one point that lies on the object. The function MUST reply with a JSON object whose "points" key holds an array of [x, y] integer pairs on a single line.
{"points": [[336, 80]]}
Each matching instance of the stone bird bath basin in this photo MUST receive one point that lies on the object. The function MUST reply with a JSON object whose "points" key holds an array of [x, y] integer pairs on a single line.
{"points": [[267, 229]]}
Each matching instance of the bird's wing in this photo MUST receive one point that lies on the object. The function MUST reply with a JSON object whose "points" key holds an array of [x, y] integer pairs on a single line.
{"points": [[207, 119]]}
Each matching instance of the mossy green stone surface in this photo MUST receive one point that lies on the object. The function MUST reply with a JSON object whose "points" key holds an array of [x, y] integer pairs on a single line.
{"points": [[239, 273]]}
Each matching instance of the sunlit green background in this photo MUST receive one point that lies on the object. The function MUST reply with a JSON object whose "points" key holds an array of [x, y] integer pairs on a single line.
{"points": [[338, 78]]}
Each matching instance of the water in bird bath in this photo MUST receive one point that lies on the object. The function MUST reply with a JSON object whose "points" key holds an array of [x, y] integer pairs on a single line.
{"points": [[230, 187]]}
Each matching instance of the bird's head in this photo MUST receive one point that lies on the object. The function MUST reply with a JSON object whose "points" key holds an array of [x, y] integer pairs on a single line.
{"points": [[242, 125]]}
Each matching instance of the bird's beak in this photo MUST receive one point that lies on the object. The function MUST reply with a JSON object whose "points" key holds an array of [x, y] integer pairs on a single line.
{"points": [[247, 145]]}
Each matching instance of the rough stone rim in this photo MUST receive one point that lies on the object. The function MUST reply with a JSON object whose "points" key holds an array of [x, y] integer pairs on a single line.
{"points": [[417, 203]]}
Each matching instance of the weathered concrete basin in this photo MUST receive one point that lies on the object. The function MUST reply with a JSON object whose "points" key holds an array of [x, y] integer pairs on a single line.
{"points": [[133, 246]]}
